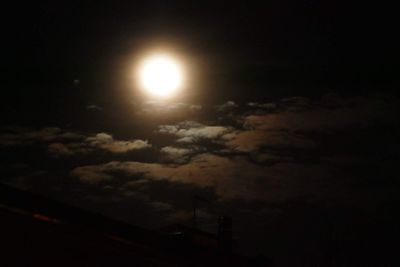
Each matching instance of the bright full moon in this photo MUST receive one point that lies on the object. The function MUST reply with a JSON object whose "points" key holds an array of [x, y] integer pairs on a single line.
{"points": [[160, 75]]}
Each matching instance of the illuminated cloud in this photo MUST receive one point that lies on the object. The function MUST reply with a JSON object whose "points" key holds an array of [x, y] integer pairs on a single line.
{"points": [[190, 132], [270, 157], [64, 143], [107, 142], [176, 154]]}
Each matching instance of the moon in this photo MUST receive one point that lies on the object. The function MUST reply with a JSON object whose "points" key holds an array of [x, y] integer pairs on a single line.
{"points": [[161, 75]]}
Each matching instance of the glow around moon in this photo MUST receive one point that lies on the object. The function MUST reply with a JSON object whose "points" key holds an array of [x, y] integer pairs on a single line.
{"points": [[160, 75]]}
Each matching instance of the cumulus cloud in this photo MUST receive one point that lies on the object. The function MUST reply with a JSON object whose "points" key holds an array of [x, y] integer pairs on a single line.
{"points": [[65, 143], [107, 142], [176, 154], [102, 141], [189, 131]]}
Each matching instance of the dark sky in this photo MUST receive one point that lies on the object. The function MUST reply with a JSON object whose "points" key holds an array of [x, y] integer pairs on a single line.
{"points": [[307, 39], [289, 123], [289, 47]]}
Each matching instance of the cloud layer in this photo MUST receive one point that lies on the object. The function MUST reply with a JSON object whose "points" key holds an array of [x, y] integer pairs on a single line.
{"points": [[65, 143]]}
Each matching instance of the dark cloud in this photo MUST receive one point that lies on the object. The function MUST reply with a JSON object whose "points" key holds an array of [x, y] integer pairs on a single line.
{"points": [[267, 106], [252, 140], [161, 107], [321, 118], [60, 149], [24, 137], [297, 103], [231, 178], [227, 106]]}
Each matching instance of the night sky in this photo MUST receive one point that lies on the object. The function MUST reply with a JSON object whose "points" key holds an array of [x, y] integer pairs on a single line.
{"points": [[288, 122]]}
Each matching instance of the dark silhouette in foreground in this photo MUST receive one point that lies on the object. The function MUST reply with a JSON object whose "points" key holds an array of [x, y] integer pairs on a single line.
{"points": [[36, 231]]}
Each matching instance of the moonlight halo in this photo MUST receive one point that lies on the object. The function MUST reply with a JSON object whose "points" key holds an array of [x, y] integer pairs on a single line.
{"points": [[160, 75]]}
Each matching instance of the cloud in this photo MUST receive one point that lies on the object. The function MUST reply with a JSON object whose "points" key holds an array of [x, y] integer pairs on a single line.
{"points": [[100, 141], [268, 106], [228, 106], [252, 140], [59, 149], [362, 113], [91, 175], [296, 103], [230, 178], [176, 154], [136, 183], [94, 107], [259, 157], [160, 107], [107, 142], [45, 135], [190, 131], [296, 120], [66, 143], [195, 107], [268, 158], [292, 104]]}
